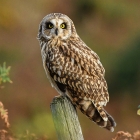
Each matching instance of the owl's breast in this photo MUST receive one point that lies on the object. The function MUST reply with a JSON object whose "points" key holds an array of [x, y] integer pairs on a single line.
{"points": [[51, 63]]}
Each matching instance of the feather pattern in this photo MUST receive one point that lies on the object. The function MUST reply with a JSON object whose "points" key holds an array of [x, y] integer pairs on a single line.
{"points": [[75, 70]]}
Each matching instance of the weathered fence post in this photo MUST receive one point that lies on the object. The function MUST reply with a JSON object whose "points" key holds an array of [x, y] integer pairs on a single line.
{"points": [[65, 119]]}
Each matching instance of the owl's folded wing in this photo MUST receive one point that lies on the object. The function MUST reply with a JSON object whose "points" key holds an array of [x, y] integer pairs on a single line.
{"points": [[80, 76]]}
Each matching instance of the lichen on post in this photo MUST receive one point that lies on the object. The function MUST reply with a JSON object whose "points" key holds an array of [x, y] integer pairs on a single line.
{"points": [[65, 119]]}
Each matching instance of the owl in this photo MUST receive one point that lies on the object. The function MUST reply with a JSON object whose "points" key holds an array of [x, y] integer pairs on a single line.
{"points": [[73, 69]]}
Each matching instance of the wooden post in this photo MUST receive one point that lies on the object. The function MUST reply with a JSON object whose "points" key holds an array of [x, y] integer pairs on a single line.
{"points": [[65, 119]]}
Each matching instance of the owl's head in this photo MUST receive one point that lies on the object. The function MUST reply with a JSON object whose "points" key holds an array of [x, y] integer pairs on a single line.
{"points": [[56, 25]]}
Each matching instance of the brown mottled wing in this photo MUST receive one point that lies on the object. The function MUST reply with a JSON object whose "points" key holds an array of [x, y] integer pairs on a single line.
{"points": [[93, 71], [78, 68]]}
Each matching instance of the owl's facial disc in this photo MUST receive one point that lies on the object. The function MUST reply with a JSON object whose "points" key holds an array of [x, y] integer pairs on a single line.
{"points": [[57, 28]]}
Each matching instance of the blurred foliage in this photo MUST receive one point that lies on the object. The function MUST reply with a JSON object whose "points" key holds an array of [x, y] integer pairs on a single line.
{"points": [[121, 135], [84, 8], [4, 115], [37, 125], [127, 70], [4, 77], [4, 74], [138, 111], [7, 15], [30, 136]]}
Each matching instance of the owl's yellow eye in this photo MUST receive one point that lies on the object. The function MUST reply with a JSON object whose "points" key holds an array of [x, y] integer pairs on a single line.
{"points": [[49, 25], [63, 26]]}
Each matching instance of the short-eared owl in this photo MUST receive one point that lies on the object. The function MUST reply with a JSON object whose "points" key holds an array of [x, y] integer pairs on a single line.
{"points": [[74, 69]]}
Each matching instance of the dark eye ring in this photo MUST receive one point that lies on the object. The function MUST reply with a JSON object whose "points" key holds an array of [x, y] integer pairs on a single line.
{"points": [[49, 25]]}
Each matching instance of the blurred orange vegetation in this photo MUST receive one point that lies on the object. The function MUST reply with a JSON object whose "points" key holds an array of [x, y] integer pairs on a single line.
{"points": [[4, 115], [121, 135], [110, 28]]}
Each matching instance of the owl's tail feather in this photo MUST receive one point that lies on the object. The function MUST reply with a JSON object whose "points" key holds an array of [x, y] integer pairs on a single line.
{"points": [[88, 108]]}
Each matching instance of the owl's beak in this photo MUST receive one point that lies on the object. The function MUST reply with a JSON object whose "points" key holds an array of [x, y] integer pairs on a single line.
{"points": [[56, 31]]}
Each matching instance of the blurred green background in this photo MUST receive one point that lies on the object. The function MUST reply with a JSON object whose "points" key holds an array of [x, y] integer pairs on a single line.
{"points": [[110, 28]]}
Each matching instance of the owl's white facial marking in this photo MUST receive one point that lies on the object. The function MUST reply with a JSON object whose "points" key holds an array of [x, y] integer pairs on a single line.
{"points": [[56, 31], [57, 28]]}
